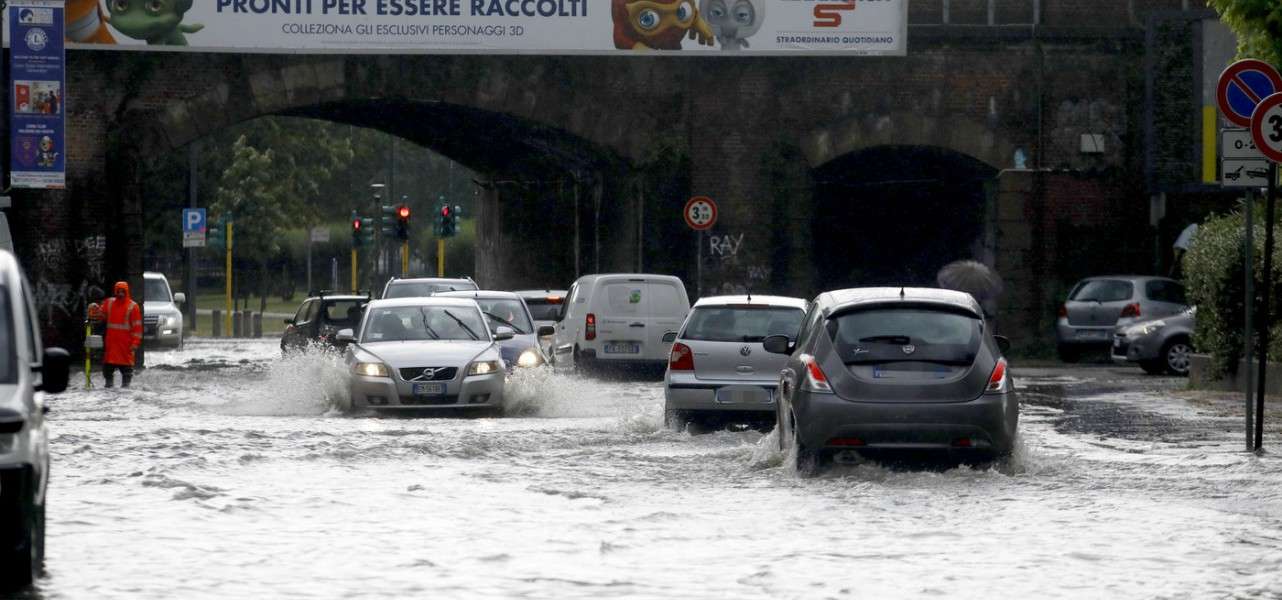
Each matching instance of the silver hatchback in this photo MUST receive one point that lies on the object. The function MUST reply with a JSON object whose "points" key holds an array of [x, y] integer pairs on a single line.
{"points": [[718, 372], [1098, 305]]}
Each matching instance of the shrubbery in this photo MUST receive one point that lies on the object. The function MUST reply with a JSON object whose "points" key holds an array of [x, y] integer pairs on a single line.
{"points": [[1215, 279]]}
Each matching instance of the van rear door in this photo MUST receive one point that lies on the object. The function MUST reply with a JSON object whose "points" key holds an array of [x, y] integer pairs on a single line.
{"points": [[666, 307], [622, 319]]}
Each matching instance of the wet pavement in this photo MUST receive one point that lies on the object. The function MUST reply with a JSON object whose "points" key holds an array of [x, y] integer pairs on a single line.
{"points": [[226, 472]]}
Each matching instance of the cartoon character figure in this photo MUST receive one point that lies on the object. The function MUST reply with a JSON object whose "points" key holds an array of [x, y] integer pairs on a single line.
{"points": [[87, 23], [657, 24], [158, 22], [733, 21], [47, 157]]}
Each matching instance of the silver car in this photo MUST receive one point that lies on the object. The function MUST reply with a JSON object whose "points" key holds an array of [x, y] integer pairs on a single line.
{"points": [[1098, 305], [1158, 346], [416, 353], [894, 369], [422, 287], [718, 371]]}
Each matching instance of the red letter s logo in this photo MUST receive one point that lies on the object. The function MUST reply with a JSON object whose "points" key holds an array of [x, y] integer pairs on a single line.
{"points": [[829, 15]]}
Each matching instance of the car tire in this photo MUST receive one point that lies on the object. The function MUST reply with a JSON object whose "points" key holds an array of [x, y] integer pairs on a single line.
{"points": [[20, 566], [1175, 357], [806, 461], [1153, 367], [676, 420], [1068, 353]]}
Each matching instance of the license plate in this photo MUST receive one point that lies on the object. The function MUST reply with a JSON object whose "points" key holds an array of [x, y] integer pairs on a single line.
{"points": [[429, 389], [743, 396], [623, 348], [1093, 335]]}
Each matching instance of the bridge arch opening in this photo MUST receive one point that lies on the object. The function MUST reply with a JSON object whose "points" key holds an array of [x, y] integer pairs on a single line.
{"points": [[893, 215]]}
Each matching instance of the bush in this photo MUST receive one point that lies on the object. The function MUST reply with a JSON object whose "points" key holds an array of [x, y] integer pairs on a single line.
{"points": [[1215, 280]]}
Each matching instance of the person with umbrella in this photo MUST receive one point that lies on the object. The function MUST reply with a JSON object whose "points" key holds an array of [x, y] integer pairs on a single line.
{"points": [[974, 278]]}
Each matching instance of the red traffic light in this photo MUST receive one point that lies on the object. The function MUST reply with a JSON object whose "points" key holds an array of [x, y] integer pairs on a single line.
{"points": [[403, 212], [356, 224], [445, 211]]}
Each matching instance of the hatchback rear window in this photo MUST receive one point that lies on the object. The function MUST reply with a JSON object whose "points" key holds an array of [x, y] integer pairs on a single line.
{"points": [[906, 334], [1103, 290], [542, 310], [344, 313], [741, 324], [1165, 291]]}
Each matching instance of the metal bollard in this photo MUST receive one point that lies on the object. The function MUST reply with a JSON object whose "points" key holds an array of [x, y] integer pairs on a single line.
{"points": [[248, 326], [258, 325], [216, 324], [236, 324]]}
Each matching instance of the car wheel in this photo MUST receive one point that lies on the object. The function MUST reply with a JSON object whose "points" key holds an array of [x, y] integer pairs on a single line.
{"points": [[807, 461], [19, 566], [1153, 367], [1175, 355], [675, 420], [1068, 353]]}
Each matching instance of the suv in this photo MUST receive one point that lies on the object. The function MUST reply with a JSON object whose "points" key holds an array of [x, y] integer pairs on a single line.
{"points": [[425, 286], [620, 319], [320, 318], [162, 321], [27, 372], [1097, 305]]}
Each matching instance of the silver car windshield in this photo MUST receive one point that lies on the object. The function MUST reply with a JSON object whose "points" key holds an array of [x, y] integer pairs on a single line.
{"points": [[8, 352], [416, 323], [906, 335], [424, 289], [742, 323], [155, 290], [508, 313]]}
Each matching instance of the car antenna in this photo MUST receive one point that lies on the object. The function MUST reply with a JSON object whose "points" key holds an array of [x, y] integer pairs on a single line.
{"points": [[749, 296], [901, 293]]}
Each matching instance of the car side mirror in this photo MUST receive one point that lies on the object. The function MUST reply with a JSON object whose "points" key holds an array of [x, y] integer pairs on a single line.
{"points": [[1003, 343], [289, 321], [669, 337], [180, 298], [546, 330], [503, 332], [55, 370], [345, 336], [778, 344]]}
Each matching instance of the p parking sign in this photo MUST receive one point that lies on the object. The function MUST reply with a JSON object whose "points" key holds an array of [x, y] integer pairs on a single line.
{"points": [[194, 227]]}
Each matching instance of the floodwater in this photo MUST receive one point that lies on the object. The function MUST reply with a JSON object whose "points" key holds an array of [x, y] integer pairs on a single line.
{"points": [[225, 473]]}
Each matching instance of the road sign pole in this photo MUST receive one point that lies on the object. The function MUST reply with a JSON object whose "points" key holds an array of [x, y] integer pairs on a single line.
{"points": [[227, 316], [698, 262], [1249, 379], [1266, 311]]}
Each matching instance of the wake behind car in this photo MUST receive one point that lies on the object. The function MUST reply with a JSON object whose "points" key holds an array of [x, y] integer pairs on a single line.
{"points": [[1157, 345], [719, 371], [27, 372], [506, 309], [415, 353], [320, 318], [422, 287], [894, 369]]}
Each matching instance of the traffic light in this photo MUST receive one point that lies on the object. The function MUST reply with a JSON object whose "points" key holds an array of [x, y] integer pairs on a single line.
{"points": [[388, 221], [445, 222], [402, 222], [358, 230], [456, 217]]}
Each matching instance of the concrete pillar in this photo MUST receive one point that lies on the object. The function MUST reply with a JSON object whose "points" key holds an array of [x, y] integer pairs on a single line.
{"points": [[258, 325], [216, 324], [247, 327], [237, 324]]}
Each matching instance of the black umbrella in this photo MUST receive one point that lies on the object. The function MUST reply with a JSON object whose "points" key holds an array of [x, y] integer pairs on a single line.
{"points": [[974, 278]]}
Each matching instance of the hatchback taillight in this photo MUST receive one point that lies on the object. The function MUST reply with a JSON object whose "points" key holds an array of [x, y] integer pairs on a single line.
{"points": [[589, 329], [998, 382], [816, 380], [1131, 310], [682, 358]]}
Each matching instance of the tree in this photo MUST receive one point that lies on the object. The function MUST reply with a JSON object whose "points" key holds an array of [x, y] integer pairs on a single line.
{"points": [[258, 203], [1258, 25]]}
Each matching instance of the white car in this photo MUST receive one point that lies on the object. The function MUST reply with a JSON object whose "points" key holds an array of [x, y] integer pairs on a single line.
{"points": [[416, 353], [718, 371], [27, 372], [162, 321], [620, 319]]}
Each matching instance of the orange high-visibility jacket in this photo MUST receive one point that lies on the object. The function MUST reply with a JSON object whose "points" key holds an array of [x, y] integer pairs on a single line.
{"points": [[124, 329]]}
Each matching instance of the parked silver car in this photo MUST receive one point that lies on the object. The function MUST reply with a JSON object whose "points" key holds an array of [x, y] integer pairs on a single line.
{"points": [[1098, 305], [718, 371], [1158, 345], [416, 353], [894, 369]]}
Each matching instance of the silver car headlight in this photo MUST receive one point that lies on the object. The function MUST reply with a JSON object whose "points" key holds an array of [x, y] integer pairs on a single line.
{"points": [[1144, 329], [483, 367], [529, 358], [371, 369]]}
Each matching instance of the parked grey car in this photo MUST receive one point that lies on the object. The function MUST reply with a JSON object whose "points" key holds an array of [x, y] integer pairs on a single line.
{"points": [[894, 369], [1158, 345], [1098, 305], [718, 371]]}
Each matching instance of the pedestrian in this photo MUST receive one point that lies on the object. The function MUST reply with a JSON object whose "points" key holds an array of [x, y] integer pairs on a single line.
{"points": [[1181, 247], [124, 335]]}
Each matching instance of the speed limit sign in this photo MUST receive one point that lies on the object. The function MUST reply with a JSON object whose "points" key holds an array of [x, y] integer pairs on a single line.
{"points": [[1266, 127], [701, 213]]}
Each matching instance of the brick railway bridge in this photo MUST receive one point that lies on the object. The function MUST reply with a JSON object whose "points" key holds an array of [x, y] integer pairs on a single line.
{"points": [[829, 171]]}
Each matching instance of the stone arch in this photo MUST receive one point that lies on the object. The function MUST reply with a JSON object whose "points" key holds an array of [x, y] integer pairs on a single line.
{"points": [[902, 128]]}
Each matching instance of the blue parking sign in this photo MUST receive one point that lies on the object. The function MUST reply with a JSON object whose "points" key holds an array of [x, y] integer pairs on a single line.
{"points": [[194, 227]]}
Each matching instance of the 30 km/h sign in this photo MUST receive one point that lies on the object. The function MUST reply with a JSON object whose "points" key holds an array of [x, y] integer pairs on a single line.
{"points": [[1266, 127], [701, 213], [1243, 85]]}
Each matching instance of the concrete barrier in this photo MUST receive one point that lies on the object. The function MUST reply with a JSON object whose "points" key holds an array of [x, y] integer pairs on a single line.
{"points": [[237, 324], [258, 325], [216, 324]]}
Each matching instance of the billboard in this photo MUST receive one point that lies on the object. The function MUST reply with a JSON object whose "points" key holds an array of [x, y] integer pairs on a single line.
{"points": [[788, 27], [37, 82]]}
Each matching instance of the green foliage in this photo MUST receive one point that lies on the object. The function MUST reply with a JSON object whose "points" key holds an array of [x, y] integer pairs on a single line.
{"points": [[1258, 25], [1216, 282]]}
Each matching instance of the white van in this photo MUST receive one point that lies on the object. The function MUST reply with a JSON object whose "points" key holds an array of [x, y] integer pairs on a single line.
{"points": [[620, 319]]}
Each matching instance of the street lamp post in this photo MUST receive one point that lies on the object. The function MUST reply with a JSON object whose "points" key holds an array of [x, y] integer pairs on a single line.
{"points": [[378, 253]]}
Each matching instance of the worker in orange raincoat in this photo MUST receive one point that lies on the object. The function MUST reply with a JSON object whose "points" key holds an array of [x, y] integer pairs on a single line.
{"points": [[124, 335]]}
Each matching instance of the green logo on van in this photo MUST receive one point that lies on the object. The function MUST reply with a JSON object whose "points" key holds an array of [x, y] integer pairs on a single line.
{"points": [[635, 298]]}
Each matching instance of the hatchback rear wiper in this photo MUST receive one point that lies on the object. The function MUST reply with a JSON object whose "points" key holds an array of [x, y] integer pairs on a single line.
{"points": [[890, 339]]}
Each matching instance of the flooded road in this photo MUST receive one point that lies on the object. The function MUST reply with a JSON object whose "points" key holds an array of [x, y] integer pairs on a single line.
{"points": [[225, 473]]}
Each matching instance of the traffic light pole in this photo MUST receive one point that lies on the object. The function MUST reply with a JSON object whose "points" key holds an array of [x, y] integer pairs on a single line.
{"points": [[405, 259], [440, 257], [355, 288]]}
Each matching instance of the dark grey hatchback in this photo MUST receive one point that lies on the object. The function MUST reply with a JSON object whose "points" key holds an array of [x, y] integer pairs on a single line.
{"points": [[894, 369]]}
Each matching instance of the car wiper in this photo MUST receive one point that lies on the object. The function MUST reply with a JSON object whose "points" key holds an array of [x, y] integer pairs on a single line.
{"points": [[429, 329], [890, 339], [463, 325], [505, 322]]}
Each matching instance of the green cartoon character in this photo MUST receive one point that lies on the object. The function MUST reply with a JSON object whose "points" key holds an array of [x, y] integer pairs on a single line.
{"points": [[158, 22]]}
